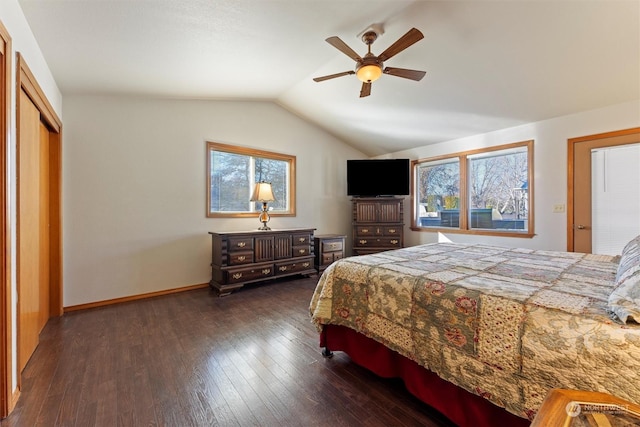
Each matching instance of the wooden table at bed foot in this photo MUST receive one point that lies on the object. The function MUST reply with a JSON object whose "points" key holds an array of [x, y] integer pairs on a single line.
{"points": [[567, 408]]}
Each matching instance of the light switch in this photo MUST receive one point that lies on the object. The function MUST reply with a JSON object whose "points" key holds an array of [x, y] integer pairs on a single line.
{"points": [[558, 208]]}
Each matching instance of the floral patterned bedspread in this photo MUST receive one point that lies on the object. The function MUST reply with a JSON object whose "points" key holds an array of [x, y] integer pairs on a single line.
{"points": [[505, 324]]}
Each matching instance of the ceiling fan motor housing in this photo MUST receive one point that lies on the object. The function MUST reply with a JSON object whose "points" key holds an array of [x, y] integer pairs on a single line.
{"points": [[369, 37]]}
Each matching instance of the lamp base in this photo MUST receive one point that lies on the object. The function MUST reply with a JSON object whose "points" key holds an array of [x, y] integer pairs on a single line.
{"points": [[264, 217]]}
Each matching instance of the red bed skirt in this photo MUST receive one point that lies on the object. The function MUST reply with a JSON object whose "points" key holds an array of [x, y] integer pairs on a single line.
{"points": [[463, 408]]}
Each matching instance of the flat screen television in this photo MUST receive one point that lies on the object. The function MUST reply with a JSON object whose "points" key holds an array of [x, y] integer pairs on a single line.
{"points": [[378, 177]]}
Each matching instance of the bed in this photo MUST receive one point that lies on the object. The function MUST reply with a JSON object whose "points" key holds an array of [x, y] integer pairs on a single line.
{"points": [[482, 333]]}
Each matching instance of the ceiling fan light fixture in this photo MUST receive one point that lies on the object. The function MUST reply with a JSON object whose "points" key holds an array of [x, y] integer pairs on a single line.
{"points": [[369, 73], [370, 67]]}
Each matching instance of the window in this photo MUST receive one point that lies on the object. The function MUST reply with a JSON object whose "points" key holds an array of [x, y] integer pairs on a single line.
{"points": [[484, 191], [231, 176]]}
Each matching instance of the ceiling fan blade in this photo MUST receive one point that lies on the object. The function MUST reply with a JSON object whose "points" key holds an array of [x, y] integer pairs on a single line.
{"points": [[366, 90], [407, 74], [332, 76], [412, 36], [342, 47]]}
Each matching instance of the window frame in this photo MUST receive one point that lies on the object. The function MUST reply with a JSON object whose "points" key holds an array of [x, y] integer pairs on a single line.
{"points": [[251, 152], [463, 160]]}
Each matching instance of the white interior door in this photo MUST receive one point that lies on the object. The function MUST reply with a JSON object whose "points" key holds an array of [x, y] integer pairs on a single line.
{"points": [[615, 193]]}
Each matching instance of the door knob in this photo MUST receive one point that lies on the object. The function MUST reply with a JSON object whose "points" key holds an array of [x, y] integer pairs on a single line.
{"points": [[580, 227]]}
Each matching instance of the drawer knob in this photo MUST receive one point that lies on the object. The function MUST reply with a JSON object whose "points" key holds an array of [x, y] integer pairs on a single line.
{"points": [[283, 268], [302, 240], [266, 271], [241, 244], [392, 230], [242, 258], [394, 242], [363, 242], [305, 264], [237, 275], [365, 230], [302, 251]]}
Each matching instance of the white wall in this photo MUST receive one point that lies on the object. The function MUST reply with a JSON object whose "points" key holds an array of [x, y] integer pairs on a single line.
{"points": [[134, 184], [550, 176], [134, 178], [25, 43]]}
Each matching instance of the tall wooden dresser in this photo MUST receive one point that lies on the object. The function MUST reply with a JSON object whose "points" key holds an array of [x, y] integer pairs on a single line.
{"points": [[378, 224], [238, 258]]}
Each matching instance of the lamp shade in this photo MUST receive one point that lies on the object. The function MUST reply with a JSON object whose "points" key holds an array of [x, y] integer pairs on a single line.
{"points": [[262, 192], [369, 73]]}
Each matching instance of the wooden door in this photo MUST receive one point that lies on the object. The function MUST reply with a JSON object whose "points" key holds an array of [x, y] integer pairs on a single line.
{"points": [[579, 231], [33, 229]]}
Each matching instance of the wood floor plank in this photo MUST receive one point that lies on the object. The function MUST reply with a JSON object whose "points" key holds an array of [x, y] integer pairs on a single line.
{"points": [[192, 359]]}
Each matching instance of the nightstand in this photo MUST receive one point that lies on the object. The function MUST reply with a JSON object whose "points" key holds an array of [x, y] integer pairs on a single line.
{"points": [[328, 248]]}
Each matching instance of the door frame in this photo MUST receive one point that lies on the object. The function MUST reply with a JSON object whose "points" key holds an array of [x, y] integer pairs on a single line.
{"points": [[571, 147], [6, 331]]}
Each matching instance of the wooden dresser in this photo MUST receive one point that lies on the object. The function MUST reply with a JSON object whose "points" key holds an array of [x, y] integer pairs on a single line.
{"points": [[238, 258], [328, 248], [378, 224]]}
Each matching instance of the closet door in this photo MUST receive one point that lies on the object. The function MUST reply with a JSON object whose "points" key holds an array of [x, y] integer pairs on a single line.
{"points": [[33, 226]]}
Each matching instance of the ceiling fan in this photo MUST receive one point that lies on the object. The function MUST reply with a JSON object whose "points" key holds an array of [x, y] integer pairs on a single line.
{"points": [[370, 67]]}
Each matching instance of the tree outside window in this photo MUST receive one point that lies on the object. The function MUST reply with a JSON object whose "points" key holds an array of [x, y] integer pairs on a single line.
{"points": [[439, 193], [484, 191], [233, 173]]}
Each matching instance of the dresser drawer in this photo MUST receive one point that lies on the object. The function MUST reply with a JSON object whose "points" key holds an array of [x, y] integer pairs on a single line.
{"points": [[246, 274], [294, 266], [329, 257], [391, 231], [366, 230], [301, 239], [238, 258], [378, 242], [240, 244], [332, 245], [377, 230], [299, 251]]}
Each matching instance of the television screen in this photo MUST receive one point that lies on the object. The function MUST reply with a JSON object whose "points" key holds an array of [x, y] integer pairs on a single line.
{"points": [[378, 177]]}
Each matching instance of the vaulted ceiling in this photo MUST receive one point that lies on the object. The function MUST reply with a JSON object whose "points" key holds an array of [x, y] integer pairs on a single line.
{"points": [[490, 64]]}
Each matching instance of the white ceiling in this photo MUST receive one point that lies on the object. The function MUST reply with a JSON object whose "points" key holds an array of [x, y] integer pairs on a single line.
{"points": [[490, 64]]}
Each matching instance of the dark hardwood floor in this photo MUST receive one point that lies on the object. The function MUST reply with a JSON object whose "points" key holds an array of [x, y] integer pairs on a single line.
{"points": [[192, 359]]}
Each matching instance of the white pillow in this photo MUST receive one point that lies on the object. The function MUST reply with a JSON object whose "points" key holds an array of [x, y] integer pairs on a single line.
{"points": [[624, 300]]}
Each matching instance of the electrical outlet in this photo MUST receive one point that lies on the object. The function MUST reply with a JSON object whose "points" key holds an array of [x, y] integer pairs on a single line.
{"points": [[558, 208]]}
